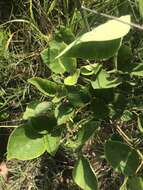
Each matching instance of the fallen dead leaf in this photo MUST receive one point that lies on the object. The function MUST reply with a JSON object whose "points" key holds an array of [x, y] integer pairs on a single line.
{"points": [[3, 170]]}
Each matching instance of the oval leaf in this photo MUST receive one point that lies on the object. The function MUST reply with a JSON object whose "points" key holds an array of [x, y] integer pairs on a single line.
{"points": [[98, 43], [25, 144], [45, 86], [84, 175], [121, 157]]}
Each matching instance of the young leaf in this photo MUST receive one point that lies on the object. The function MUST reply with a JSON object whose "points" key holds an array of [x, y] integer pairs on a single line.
{"points": [[25, 144], [72, 80], [61, 65], [98, 43], [84, 175], [45, 86], [102, 81], [121, 157], [90, 69]]}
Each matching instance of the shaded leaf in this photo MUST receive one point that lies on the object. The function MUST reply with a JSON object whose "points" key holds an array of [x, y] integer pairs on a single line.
{"points": [[64, 112], [84, 134], [135, 183], [121, 157], [53, 140], [78, 95], [99, 108], [44, 123]]}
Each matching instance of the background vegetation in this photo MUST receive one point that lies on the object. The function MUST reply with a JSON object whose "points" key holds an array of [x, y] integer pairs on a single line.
{"points": [[25, 31]]}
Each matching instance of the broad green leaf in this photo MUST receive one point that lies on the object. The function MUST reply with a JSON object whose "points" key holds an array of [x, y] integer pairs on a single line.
{"points": [[72, 80], [84, 134], [84, 176], [140, 123], [25, 144], [103, 81], [45, 86], [64, 112], [98, 43], [121, 157], [141, 7], [61, 65], [52, 141], [135, 183], [36, 108]]}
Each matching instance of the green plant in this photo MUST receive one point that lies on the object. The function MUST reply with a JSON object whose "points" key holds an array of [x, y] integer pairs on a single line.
{"points": [[80, 97]]}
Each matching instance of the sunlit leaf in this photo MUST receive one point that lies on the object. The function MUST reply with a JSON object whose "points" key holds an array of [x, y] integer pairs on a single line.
{"points": [[36, 108], [84, 175], [45, 86], [98, 43], [25, 144], [72, 80], [103, 81], [61, 65]]}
